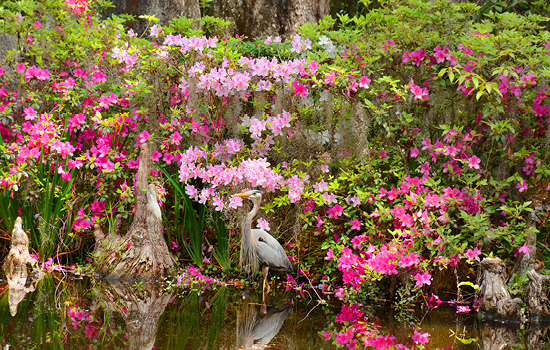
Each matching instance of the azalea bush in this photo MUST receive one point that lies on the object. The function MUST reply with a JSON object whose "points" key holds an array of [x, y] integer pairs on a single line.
{"points": [[388, 146]]}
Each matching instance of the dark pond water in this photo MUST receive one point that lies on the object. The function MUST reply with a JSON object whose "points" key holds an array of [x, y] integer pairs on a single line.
{"points": [[67, 313]]}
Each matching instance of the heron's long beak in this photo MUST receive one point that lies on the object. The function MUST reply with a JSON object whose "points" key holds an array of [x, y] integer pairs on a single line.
{"points": [[242, 195]]}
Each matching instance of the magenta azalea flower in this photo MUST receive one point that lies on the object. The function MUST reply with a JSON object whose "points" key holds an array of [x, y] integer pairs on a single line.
{"points": [[335, 211], [144, 136], [355, 224], [462, 309], [522, 185], [524, 249]]}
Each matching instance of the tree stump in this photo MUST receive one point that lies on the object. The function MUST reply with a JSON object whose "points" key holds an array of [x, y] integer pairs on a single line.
{"points": [[141, 309], [22, 271], [496, 302], [497, 336], [536, 296], [19, 251], [142, 253]]}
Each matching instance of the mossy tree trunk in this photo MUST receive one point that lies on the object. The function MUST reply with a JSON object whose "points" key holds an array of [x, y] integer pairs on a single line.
{"points": [[142, 253]]}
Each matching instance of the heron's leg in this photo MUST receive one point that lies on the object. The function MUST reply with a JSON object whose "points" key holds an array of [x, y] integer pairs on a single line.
{"points": [[265, 271]]}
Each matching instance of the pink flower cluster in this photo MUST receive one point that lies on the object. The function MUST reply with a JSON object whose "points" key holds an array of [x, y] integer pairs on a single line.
{"points": [[360, 332]]}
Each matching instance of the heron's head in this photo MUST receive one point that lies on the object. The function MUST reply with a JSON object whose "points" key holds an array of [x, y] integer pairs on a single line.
{"points": [[253, 195]]}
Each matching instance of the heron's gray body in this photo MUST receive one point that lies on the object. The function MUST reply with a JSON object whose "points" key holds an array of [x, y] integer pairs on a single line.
{"points": [[258, 247], [270, 252]]}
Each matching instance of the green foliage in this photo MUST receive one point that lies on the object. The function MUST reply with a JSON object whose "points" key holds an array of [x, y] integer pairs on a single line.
{"points": [[193, 221], [221, 251]]}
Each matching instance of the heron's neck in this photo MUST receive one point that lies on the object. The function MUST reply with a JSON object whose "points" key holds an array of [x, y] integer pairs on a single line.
{"points": [[250, 217]]}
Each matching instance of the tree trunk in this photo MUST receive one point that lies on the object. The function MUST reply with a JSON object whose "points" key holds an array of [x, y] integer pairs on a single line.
{"points": [[526, 261], [261, 18], [142, 253], [496, 302], [536, 296], [165, 10]]}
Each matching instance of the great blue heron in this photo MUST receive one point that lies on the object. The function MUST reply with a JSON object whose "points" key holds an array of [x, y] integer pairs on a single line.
{"points": [[258, 246], [255, 330]]}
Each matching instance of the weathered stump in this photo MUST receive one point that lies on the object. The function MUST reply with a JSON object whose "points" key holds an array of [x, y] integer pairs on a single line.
{"points": [[537, 299], [142, 253], [535, 336], [19, 251], [497, 336], [22, 271], [496, 301], [141, 309]]}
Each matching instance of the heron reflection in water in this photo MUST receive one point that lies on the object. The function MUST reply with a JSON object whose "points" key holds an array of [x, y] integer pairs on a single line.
{"points": [[255, 331], [259, 247]]}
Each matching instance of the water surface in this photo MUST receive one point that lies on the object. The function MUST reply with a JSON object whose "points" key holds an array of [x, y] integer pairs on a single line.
{"points": [[61, 312]]}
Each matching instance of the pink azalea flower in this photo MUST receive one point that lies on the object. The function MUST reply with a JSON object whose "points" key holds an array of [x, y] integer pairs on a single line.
{"points": [[472, 254], [299, 89], [434, 301], [175, 138], [320, 222], [355, 224], [335, 211], [424, 278], [143, 137], [313, 67], [155, 156], [364, 82], [155, 31], [175, 245], [108, 166], [414, 152], [263, 224], [473, 162], [421, 338], [29, 113], [21, 68]]}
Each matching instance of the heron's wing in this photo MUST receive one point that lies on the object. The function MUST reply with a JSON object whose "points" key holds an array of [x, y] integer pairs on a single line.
{"points": [[269, 250], [268, 327]]}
